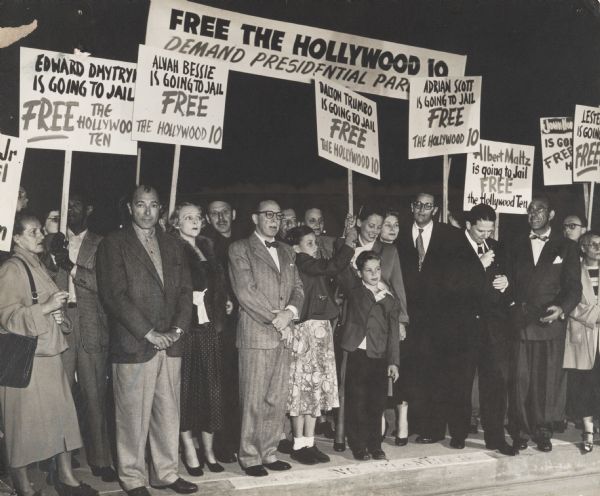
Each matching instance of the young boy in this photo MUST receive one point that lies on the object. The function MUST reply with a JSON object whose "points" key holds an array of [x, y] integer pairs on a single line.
{"points": [[371, 337]]}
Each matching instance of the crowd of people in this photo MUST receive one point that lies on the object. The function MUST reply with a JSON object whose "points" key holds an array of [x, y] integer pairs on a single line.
{"points": [[175, 332]]}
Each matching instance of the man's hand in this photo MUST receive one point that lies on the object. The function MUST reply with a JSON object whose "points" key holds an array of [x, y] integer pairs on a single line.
{"points": [[159, 340], [58, 316], [393, 372], [351, 237], [487, 258], [402, 331], [553, 312], [500, 283], [282, 319], [287, 336], [174, 334]]}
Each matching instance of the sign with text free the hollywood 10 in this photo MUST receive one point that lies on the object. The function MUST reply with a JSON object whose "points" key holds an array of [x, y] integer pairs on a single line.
{"points": [[180, 99], [347, 131], [443, 116]]}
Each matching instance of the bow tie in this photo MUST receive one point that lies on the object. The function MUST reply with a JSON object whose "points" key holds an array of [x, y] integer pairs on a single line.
{"points": [[537, 236], [271, 244]]}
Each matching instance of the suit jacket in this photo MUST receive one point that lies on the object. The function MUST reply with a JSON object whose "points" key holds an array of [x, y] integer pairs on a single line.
{"points": [[261, 288], [135, 298], [581, 344], [555, 280]]}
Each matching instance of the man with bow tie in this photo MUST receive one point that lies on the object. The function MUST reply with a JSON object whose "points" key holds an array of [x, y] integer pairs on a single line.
{"points": [[266, 282], [544, 273]]}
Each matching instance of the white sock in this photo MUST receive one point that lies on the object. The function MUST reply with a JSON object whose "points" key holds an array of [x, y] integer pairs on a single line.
{"points": [[309, 442], [299, 443], [403, 428]]}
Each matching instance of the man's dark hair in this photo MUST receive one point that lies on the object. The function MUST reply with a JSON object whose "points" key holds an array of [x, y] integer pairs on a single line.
{"points": [[146, 189], [582, 218], [435, 198], [294, 236], [364, 257], [542, 197], [481, 212]]}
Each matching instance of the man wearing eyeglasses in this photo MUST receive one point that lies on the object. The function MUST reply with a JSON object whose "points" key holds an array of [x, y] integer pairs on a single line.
{"points": [[426, 249], [574, 226], [544, 272], [269, 290]]}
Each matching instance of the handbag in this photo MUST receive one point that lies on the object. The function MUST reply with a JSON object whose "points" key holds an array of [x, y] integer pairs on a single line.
{"points": [[17, 351]]}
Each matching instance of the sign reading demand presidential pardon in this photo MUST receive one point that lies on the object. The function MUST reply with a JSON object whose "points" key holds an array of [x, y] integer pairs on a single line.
{"points": [[347, 130]]}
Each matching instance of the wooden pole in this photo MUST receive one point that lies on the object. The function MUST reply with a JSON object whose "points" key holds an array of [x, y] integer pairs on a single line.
{"points": [[64, 203], [350, 193], [138, 165], [174, 179], [590, 205], [447, 163], [586, 197]]}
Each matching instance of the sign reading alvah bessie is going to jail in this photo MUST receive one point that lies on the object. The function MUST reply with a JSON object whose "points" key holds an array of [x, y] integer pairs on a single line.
{"points": [[347, 130], [76, 102], [12, 151], [179, 99], [499, 175], [586, 144], [283, 50], [443, 116]]}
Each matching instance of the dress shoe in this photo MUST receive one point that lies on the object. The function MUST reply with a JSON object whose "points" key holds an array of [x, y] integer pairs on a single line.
{"points": [[378, 454], [180, 486], [544, 445], [107, 474], [319, 455], [361, 454], [427, 440], [339, 447], [304, 456], [278, 465], [215, 468], [588, 442], [256, 471], [226, 457], [81, 490], [401, 441], [138, 491], [193, 471], [520, 443], [503, 447], [285, 446], [457, 443]]}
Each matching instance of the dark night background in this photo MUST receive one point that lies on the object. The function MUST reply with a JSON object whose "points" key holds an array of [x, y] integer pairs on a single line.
{"points": [[538, 58]]}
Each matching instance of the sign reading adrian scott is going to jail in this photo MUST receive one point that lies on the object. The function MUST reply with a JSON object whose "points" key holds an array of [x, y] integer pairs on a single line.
{"points": [[347, 128], [12, 151], [291, 51], [557, 150], [586, 144], [74, 102], [443, 116], [179, 99], [499, 175]]}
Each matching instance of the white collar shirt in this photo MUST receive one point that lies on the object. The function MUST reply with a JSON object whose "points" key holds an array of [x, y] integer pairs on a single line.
{"points": [[426, 234]]}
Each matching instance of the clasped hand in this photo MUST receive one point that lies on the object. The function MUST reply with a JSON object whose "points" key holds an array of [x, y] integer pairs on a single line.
{"points": [[163, 340]]}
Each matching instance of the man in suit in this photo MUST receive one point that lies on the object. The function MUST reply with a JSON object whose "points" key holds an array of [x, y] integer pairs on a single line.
{"points": [[269, 290], [544, 272], [145, 285], [313, 218], [480, 301], [426, 250]]}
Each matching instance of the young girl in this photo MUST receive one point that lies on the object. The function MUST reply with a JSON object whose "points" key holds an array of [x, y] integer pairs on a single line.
{"points": [[371, 337], [313, 379]]}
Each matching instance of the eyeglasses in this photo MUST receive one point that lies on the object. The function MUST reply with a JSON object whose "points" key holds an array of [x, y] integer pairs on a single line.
{"points": [[422, 206], [534, 210], [53, 219], [269, 214], [571, 226], [593, 244]]}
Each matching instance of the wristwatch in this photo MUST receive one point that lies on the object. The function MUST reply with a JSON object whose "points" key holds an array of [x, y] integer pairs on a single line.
{"points": [[179, 330]]}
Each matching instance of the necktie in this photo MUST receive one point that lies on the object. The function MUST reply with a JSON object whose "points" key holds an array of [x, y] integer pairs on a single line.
{"points": [[537, 236], [271, 244], [480, 249], [420, 248]]}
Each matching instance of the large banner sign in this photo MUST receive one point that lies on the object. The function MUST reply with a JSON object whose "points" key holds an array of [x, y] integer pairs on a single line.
{"points": [[557, 150], [586, 144], [73, 102], [12, 151], [443, 116], [347, 129], [499, 175], [291, 51], [179, 99]]}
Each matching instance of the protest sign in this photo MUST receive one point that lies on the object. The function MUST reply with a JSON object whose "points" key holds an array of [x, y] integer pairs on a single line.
{"points": [[557, 150], [76, 102], [347, 129], [12, 151], [499, 175], [179, 99], [294, 52], [443, 116], [586, 144]]}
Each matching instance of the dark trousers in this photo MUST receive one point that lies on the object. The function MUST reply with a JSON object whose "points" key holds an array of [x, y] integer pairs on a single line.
{"points": [[366, 396]]}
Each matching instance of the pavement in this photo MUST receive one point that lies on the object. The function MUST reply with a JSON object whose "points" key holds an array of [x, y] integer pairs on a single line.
{"points": [[413, 469]]}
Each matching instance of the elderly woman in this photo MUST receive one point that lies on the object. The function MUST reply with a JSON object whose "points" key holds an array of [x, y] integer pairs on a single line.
{"points": [[201, 370], [40, 420], [581, 345]]}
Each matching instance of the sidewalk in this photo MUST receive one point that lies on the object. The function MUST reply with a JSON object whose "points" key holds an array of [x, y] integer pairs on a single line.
{"points": [[410, 470]]}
